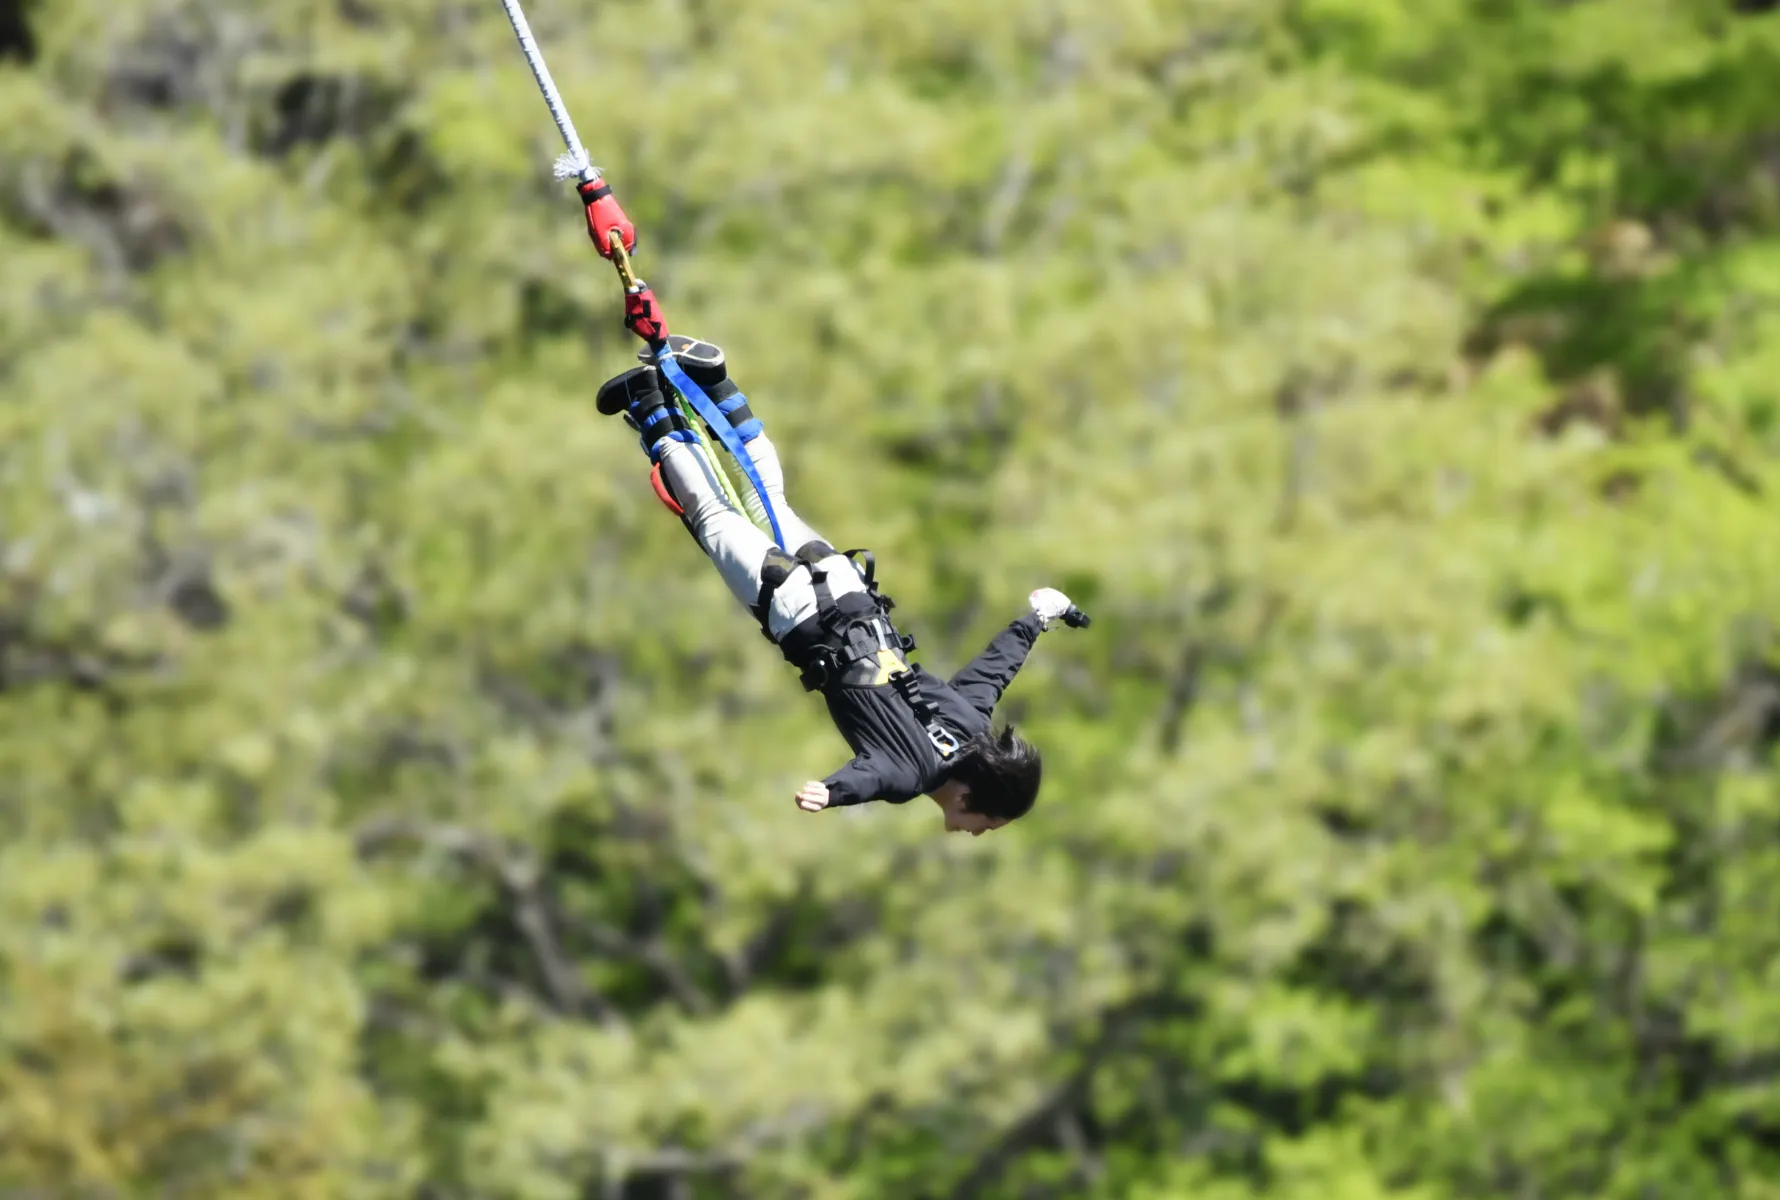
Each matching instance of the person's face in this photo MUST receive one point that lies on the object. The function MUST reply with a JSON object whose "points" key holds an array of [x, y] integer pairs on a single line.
{"points": [[959, 819]]}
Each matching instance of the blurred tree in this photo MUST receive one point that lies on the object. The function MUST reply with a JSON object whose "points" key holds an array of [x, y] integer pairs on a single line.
{"points": [[394, 805]]}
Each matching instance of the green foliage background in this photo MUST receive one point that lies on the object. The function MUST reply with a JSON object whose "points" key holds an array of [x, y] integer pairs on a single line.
{"points": [[393, 804]]}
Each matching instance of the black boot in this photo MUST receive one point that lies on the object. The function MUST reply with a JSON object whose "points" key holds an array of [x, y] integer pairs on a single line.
{"points": [[704, 364], [637, 394], [637, 388]]}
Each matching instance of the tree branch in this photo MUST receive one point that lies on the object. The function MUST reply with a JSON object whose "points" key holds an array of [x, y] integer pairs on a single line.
{"points": [[1061, 1102], [1183, 694], [521, 882], [651, 953]]}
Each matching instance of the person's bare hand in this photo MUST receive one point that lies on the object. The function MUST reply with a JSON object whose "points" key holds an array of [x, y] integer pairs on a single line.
{"points": [[813, 796]]}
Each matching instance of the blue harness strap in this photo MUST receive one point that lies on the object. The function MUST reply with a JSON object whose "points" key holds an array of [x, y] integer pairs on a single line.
{"points": [[712, 416]]}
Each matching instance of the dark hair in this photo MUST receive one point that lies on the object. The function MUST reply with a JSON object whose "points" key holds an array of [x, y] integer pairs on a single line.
{"points": [[1002, 772]]}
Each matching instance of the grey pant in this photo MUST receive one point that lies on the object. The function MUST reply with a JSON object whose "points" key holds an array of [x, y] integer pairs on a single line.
{"points": [[737, 545]]}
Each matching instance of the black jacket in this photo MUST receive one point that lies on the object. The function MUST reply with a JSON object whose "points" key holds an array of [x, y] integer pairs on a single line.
{"points": [[893, 760]]}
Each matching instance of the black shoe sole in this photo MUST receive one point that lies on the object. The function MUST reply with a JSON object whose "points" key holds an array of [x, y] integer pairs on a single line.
{"points": [[623, 392]]}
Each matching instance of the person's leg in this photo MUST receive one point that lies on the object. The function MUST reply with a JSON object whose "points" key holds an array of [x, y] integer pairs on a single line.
{"points": [[732, 542], [735, 545], [706, 366], [772, 476], [740, 551], [795, 599]]}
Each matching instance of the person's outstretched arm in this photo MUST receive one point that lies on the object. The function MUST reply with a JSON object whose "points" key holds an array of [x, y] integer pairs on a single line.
{"points": [[986, 676], [865, 778]]}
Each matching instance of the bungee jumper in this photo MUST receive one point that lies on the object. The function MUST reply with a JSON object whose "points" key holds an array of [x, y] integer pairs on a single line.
{"points": [[911, 733]]}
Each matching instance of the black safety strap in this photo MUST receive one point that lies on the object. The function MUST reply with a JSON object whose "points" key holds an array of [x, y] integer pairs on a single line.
{"points": [[870, 573], [860, 630], [773, 573], [826, 610], [779, 567], [945, 742]]}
